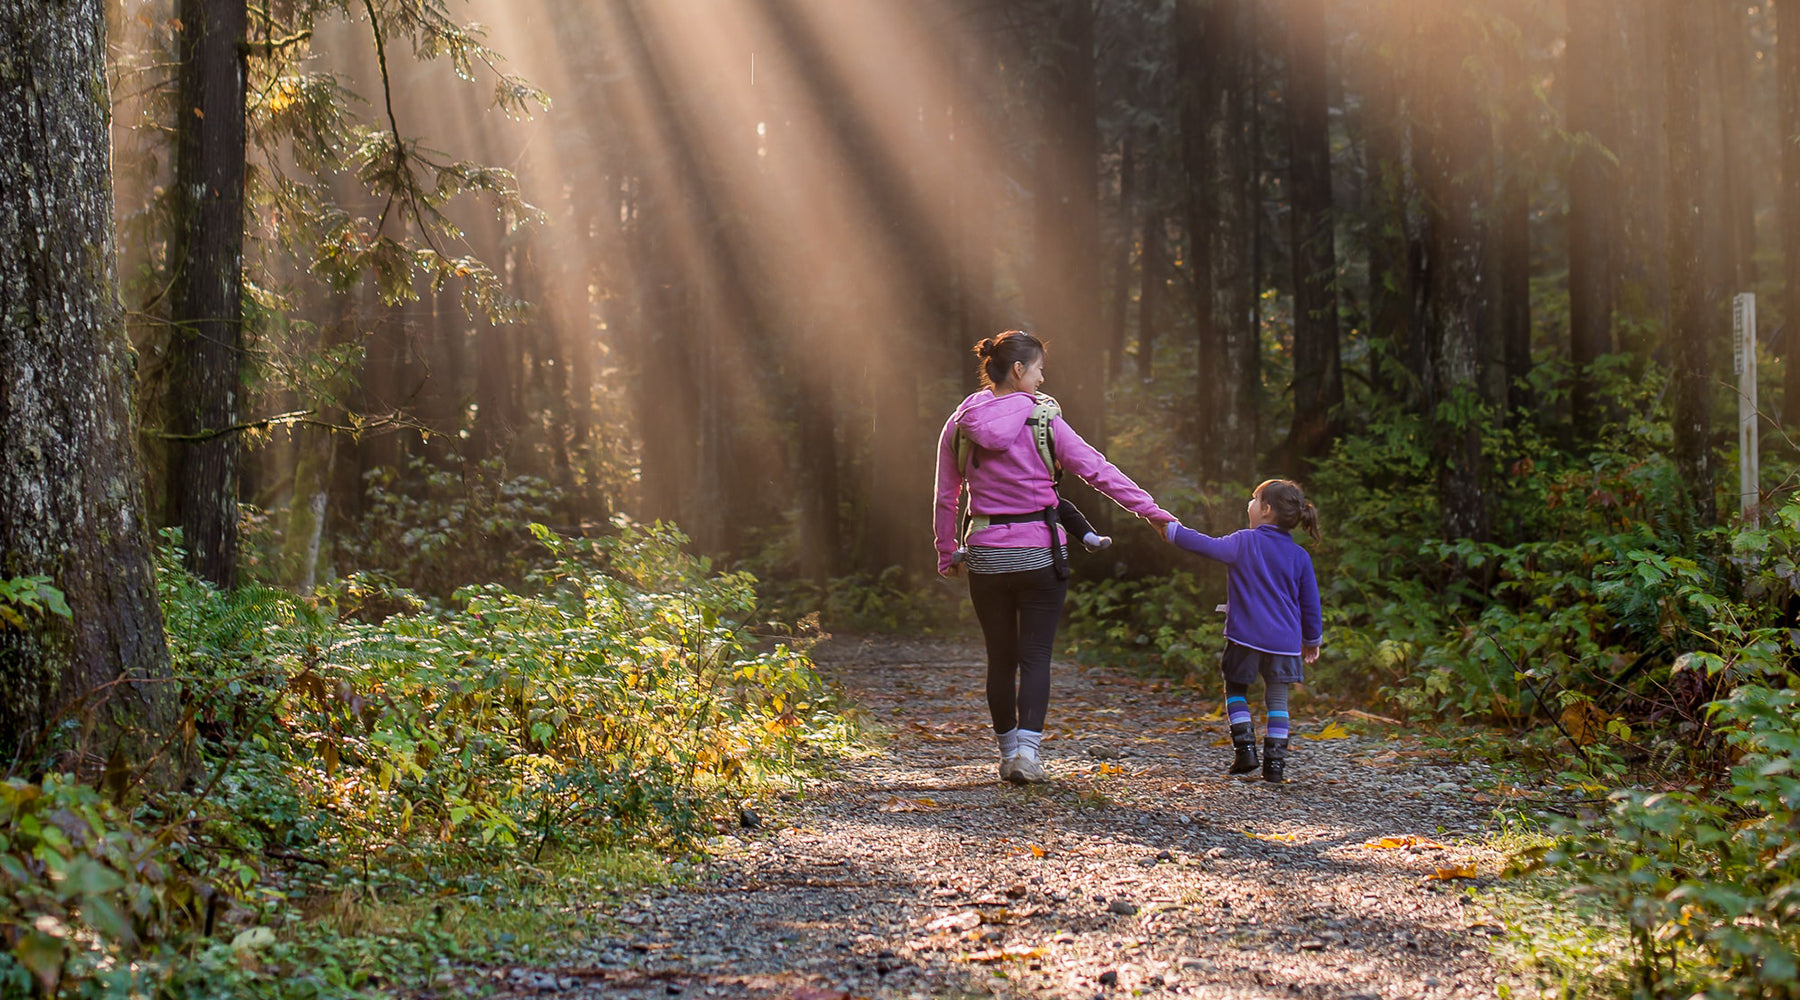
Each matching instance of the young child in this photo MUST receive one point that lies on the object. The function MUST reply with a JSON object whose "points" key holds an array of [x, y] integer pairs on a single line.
{"points": [[1272, 620]]}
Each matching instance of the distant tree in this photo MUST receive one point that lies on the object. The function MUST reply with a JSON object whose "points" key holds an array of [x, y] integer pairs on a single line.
{"points": [[1318, 380], [1588, 59], [1693, 331], [69, 476], [1062, 291], [1212, 47], [1787, 68], [1455, 167]]}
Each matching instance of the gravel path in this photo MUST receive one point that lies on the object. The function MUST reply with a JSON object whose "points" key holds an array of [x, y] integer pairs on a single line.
{"points": [[1140, 870]]}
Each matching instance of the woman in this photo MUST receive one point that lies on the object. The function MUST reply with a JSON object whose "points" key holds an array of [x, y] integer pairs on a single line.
{"points": [[1017, 581]]}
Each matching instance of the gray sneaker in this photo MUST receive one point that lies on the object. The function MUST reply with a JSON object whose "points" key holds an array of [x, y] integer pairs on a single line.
{"points": [[1006, 768], [1027, 771]]}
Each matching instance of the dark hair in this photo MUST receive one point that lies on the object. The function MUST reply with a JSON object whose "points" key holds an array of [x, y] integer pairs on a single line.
{"points": [[997, 355], [1291, 507]]}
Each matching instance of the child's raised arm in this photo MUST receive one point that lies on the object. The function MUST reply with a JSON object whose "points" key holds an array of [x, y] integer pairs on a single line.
{"points": [[1224, 550]]}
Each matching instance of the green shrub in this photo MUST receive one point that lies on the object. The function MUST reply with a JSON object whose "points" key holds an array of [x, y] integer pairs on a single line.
{"points": [[435, 529], [1707, 885]]}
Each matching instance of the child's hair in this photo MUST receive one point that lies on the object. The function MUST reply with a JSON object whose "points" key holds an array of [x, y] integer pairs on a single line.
{"points": [[997, 355], [1290, 505]]}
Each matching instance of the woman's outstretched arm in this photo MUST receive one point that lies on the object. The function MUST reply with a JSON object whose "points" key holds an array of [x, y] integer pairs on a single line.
{"points": [[1086, 462]]}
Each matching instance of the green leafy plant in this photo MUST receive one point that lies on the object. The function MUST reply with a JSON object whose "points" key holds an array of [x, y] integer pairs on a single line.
{"points": [[33, 595]]}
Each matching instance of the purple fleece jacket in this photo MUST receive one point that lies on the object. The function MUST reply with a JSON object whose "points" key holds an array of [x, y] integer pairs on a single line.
{"points": [[1007, 476], [1272, 598]]}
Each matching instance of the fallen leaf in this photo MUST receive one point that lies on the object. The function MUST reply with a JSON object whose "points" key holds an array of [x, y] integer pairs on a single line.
{"points": [[1223, 741], [1408, 840], [898, 805], [1279, 838], [818, 993], [1332, 731], [961, 920], [1014, 952], [1371, 717], [1584, 721], [1038, 852], [1455, 871], [1109, 769]]}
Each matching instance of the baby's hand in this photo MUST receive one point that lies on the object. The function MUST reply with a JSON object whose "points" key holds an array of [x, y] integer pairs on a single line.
{"points": [[1162, 527], [1309, 653]]}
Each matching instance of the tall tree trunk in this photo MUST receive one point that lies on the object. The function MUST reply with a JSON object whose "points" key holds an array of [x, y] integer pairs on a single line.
{"points": [[1589, 62], [1787, 68], [1318, 379], [1693, 316], [315, 465], [1641, 255], [1215, 155], [1511, 352], [1155, 271], [1455, 170], [1120, 315], [1063, 294], [1389, 213], [1736, 219], [69, 477], [208, 260]]}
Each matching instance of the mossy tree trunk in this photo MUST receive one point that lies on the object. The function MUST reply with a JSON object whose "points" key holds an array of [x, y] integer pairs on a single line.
{"points": [[68, 472]]}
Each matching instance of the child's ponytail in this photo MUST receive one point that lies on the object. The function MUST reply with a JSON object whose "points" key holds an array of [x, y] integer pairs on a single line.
{"points": [[1309, 519], [1292, 509]]}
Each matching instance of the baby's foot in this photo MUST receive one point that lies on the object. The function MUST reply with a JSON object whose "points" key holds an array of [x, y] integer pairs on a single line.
{"points": [[1095, 542]]}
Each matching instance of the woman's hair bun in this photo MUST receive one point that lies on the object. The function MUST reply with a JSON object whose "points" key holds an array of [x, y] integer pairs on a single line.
{"points": [[985, 348]]}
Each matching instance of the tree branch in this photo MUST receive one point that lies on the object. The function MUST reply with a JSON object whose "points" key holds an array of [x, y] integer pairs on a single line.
{"points": [[210, 433]]}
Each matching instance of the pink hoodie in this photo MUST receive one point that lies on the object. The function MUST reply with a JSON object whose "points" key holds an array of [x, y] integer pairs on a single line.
{"points": [[1006, 475]]}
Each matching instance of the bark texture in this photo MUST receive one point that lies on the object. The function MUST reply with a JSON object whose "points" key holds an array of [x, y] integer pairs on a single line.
{"points": [[68, 472]]}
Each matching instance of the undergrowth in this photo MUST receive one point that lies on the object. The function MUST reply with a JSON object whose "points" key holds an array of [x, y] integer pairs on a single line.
{"points": [[382, 775]]}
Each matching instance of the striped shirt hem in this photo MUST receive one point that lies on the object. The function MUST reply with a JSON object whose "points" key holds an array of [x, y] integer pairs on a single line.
{"points": [[990, 559]]}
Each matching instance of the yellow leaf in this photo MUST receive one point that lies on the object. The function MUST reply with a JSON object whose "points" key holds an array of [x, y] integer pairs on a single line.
{"points": [[1105, 768], [1280, 838], [1332, 731], [1455, 871], [1408, 840], [1038, 852], [909, 805], [1584, 721]]}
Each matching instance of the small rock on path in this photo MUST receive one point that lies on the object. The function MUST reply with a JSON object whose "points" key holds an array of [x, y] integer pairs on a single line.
{"points": [[1140, 870]]}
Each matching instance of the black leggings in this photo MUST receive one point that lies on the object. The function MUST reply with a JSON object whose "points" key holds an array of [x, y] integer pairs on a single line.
{"points": [[1018, 614]]}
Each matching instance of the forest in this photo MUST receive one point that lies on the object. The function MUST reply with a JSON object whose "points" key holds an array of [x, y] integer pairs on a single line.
{"points": [[433, 433]]}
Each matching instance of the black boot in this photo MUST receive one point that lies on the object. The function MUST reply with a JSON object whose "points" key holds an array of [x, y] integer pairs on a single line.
{"points": [[1243, 740], [1274, 759]]}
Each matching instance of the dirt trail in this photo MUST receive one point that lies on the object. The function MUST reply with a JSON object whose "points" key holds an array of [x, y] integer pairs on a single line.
{"points": [[1140, 870]]}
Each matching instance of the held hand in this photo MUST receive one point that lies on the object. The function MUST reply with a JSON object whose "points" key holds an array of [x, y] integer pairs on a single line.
{"points": [[1309, 653], [954, 572], [1162, 527]]}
